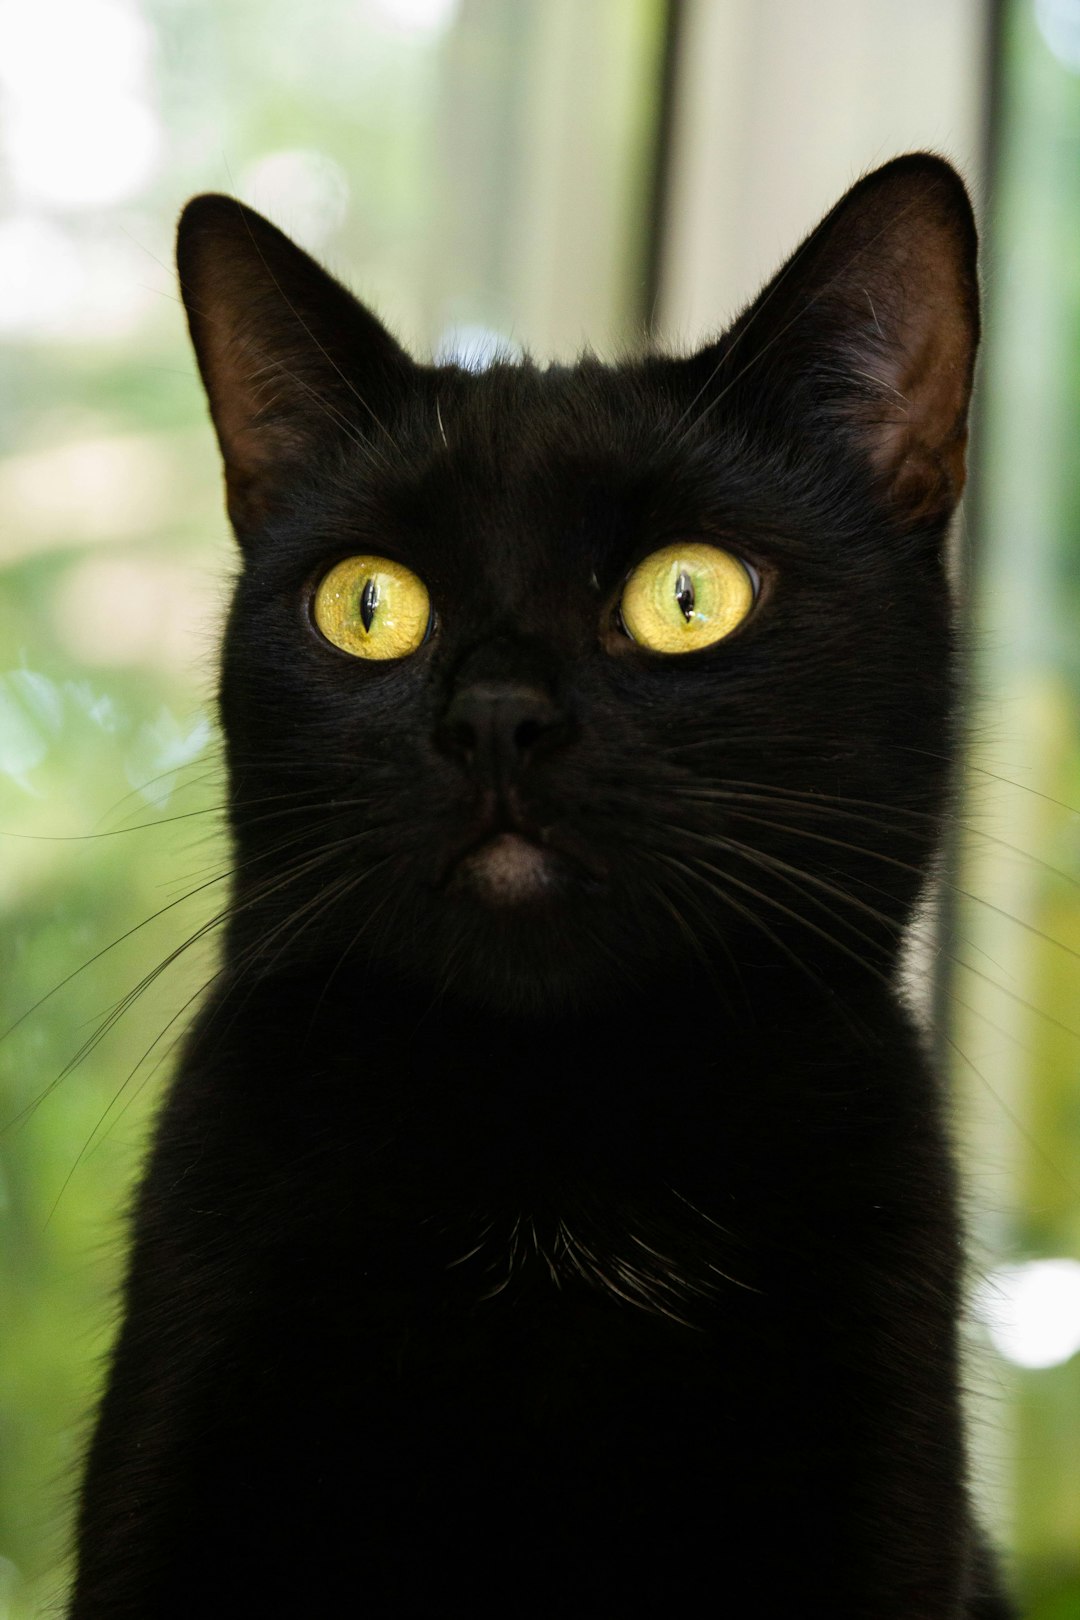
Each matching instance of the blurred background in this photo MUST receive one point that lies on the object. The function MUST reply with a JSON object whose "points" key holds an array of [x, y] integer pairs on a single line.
{"points": [[494, 173]]}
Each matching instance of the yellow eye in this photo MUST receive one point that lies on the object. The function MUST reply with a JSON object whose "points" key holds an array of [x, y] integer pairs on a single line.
{"points": [[373, 608], [686, 596]]}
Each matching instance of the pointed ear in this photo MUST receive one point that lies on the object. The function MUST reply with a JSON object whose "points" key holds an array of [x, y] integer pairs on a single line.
{"points": [[292, 363], [869, 332]]}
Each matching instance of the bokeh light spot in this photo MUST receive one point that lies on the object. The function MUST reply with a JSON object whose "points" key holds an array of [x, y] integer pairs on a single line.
{"points": [[1032, 1311]]}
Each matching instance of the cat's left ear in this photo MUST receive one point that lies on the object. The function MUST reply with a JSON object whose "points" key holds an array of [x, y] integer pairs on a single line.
{"points": [[868, 335], [292, 363]]}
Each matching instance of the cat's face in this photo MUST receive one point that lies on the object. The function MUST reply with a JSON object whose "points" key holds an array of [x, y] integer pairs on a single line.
{"points": [[537, 679]]}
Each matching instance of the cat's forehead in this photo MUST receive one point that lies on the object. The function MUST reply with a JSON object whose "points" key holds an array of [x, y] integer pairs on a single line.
{"points": [[558, 442], [522, 412], [515, 461], [585, 463]]}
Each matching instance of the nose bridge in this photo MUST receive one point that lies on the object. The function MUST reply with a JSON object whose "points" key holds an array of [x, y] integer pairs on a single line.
{"points": [[504, 709], [505, 659]]}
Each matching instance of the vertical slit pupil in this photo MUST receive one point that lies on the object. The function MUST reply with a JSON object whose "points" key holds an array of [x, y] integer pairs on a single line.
{"points": [[369, 601], [684, 595]]}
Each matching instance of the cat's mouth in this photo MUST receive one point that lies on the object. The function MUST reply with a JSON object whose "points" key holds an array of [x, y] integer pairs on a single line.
{"points": [[512, 866], [508, 869]]}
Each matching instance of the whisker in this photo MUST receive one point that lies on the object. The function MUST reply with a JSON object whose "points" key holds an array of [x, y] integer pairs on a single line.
{"points": [[795, 916], [794, 798], [1012, 1116], [757, 922], [780, 866], [261, 892], [315, 908], [892, 860], [967, 967], [235, 970]]}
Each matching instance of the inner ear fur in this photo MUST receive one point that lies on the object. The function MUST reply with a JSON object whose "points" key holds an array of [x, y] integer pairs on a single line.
{"points": [[870, 330], [292, 363]]}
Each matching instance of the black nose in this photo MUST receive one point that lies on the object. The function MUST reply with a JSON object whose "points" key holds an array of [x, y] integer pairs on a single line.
{"points": [[496, 727]]}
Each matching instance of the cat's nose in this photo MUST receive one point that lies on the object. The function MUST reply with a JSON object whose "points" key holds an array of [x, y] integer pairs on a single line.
{"points": [[497, 727]]}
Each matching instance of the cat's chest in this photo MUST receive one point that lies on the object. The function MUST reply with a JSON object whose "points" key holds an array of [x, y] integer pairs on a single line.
{"points": [[657, 1255], [533, 1322]]}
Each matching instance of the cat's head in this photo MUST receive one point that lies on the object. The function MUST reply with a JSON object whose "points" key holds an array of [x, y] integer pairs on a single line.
{"points": [[538, 678]]}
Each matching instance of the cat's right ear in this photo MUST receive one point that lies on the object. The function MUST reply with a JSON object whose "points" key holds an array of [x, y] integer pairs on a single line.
{"points": [[292, 363], [865, 341]]}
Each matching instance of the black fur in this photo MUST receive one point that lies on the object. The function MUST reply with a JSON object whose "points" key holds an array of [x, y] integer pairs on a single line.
{"points": [[595, 1252]]}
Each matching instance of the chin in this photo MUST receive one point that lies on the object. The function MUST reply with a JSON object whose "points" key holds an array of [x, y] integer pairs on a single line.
{"points": [[519, 942]]}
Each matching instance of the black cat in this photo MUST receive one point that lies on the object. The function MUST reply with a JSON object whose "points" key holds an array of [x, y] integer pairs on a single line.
{"points": [[552, 1214]]}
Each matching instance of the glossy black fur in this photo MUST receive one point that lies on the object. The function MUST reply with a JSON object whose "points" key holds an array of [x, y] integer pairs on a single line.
{"points": [[598, 1253]]}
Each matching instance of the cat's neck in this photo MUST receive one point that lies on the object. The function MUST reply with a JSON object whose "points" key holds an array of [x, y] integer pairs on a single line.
{"points": [[620, 1075], [442, 1141]]}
